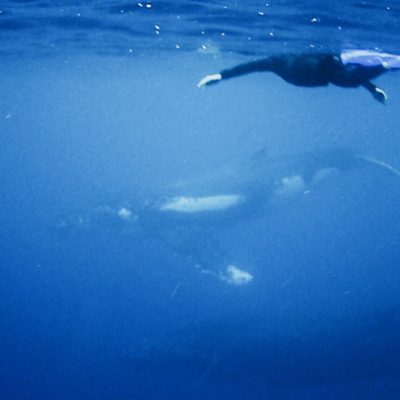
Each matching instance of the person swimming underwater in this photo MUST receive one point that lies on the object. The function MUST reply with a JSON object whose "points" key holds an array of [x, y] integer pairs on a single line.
{"points": [[349, 69]]}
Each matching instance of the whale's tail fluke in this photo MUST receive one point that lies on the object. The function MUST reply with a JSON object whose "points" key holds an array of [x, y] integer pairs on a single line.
{"points": [[379, 163]]}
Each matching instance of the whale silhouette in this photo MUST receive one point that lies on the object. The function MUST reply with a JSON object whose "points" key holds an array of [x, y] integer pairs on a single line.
{"points": [[189, 215]]}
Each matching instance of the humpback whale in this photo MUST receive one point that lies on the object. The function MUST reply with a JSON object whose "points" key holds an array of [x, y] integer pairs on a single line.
{"points": [[189, 215], [309, 316], [245, 186]]}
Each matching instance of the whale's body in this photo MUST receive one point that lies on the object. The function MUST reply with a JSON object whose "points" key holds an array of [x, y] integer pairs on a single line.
{"points": [[189, 215], [241, 188]]}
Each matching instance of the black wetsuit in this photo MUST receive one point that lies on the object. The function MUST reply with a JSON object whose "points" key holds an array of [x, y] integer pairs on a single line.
{"points": [[311, 70]]}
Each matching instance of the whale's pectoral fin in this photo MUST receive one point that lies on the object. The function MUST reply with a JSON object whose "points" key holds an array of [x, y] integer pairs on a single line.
{"points": [[377, 92]]}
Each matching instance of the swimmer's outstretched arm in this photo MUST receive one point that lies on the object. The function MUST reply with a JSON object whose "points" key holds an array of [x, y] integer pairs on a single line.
{"points": [[263, 65], [377, 92]]}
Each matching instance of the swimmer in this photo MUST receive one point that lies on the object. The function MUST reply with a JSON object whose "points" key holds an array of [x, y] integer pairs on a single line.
{"points": [[350, 69]]}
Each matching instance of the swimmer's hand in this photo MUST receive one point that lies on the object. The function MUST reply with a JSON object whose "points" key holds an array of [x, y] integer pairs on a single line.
{"points": [[209, 80], [380, 95]]}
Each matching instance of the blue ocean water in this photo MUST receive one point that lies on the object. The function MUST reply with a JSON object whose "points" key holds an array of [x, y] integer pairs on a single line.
{"points": [[287, 289]]}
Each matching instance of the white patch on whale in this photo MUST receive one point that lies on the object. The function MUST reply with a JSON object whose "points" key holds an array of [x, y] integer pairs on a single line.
{"points": [[191, 205], [290, 185], [237, 276], [125, 213], [232, 275]]}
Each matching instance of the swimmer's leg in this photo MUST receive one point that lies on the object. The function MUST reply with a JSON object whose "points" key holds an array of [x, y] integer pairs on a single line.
{"points": [[377, 92]]}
